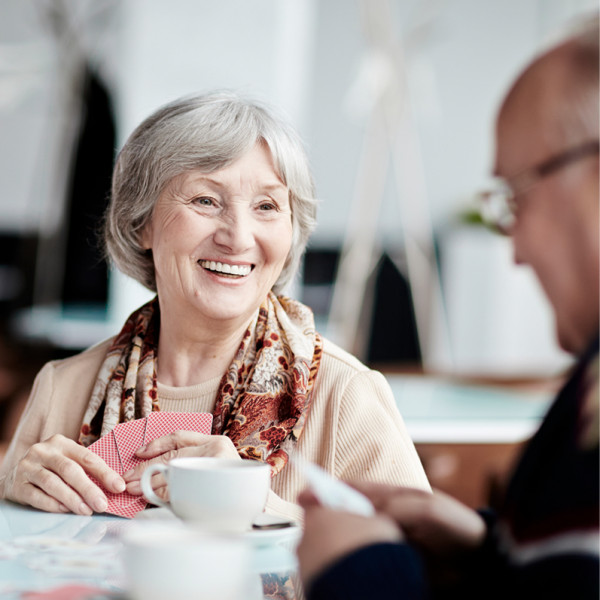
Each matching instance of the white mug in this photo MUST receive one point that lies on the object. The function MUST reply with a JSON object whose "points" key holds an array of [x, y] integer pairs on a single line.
{"points": [[220, 495]]}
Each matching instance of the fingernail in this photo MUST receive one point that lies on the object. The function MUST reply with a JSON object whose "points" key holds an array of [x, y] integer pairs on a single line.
{"points": [[100, 504], [128, 474], [141, 449], [118, 484], [84, 509]]}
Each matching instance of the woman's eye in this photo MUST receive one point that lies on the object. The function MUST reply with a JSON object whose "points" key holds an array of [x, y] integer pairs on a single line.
{"points": [[266, 206], [204, 201]]}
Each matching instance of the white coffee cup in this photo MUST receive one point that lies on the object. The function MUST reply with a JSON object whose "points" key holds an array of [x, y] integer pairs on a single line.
{"points": [[220, 495], [170, 560]]}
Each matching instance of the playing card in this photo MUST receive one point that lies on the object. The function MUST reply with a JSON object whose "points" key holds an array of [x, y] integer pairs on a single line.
{"points": [[106, 449], [129, 437], [164, 423], [118, 448], [124, 504]]}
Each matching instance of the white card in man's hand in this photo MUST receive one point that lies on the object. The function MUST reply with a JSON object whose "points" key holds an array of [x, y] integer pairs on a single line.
{"points": [[333, 493]]}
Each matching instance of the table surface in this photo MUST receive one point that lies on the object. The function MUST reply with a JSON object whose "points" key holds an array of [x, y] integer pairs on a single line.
{"points": [[42, 555]]}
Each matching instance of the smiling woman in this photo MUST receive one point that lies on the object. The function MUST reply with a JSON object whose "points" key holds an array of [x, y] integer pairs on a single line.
{"points": [[219, 243], [212, 205]]}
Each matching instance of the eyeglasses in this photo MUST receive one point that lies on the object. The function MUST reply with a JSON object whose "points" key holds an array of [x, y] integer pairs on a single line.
{"points": [[498, 205]]}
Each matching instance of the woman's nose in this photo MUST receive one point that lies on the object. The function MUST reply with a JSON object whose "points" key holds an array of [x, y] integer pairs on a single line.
{"points": [[235, 231]]}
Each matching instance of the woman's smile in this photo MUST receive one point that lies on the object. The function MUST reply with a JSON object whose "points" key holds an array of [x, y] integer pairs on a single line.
{"points": [[233, 271]]}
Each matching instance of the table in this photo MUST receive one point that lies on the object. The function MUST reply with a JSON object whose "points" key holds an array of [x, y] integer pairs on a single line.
{"points": [[40, 552]]}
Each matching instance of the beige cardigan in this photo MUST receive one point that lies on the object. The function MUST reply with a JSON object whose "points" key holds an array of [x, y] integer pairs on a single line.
{"points": [[353, 430]]}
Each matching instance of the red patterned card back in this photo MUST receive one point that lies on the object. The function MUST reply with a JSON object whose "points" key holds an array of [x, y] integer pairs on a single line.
{"points": [[164, 423]]}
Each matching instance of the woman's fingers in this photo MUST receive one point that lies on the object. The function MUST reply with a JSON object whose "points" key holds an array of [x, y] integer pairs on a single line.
{"points": [[93, 465], [157, 481], [39, 499], [50, 484], [54, 476], [206, 445], [175, 445]]}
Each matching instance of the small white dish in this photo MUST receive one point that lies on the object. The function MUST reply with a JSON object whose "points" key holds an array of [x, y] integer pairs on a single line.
{"points": [[287, 536], [272, 529]]}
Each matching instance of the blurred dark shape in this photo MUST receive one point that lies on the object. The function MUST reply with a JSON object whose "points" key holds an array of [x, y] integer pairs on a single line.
{"points": [[394, 338], [86, 274], [17, 260], [319, 269]]}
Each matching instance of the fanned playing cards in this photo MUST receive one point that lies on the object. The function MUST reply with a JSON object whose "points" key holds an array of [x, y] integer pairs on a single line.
{"points": [[118, 448]]}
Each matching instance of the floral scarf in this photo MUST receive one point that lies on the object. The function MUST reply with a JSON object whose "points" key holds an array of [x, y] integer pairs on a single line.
{"points": [[264, 396]]}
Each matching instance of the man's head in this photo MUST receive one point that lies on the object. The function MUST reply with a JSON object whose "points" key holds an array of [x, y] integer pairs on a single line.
{"points": [[551, 111]]}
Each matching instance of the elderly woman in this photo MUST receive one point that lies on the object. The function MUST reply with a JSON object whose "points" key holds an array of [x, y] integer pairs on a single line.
{"points": [[212, 205]]}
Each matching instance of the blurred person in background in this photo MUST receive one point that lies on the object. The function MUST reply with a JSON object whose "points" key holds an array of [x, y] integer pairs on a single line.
{"points": [[212, 206], [543, 540]]}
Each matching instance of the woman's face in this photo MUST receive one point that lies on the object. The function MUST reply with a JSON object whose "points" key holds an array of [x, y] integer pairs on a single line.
{"points": [[219, 240]]}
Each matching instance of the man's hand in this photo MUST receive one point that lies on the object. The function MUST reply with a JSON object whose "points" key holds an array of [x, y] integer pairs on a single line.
{"points": [[174, 445], [435, 522], [331, 534], [53, 476]]}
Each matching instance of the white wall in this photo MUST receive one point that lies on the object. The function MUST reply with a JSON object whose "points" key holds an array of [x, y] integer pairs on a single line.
{"points": [[302, 55], [456, 77]]}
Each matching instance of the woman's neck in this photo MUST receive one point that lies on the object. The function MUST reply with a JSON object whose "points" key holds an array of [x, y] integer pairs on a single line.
{"points": [[191, 355]]}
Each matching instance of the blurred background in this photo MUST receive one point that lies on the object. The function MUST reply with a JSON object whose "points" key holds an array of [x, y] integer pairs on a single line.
{"points": [[395, 100]]}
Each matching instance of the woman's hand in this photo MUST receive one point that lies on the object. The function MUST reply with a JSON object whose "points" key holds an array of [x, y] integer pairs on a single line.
{"points": [[174, 445], [436, 522], [331, 534], [54, 476]]}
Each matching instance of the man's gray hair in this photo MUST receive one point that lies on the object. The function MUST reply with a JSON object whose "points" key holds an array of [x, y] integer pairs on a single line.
{"points": [[206, 132]]}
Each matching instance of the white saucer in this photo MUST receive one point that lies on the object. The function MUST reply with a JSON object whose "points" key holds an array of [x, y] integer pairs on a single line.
{"points": [[288, 535]]}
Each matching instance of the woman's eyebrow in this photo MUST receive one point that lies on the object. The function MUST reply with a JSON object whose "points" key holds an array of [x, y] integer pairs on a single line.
{"points": [[277, 185]]}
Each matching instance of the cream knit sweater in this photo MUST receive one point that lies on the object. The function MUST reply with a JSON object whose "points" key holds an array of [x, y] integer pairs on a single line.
{"points": [[353, 430]]}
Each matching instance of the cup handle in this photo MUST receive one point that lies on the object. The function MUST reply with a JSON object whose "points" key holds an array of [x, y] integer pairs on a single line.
{"points": [[146, 483]]}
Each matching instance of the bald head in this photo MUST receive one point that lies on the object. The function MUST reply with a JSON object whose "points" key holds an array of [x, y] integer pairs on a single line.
{"points": [[562, 87], [551, 111]]}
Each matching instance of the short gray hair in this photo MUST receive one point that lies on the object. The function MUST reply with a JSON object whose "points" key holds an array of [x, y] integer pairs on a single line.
{"points": [[206, 132]]}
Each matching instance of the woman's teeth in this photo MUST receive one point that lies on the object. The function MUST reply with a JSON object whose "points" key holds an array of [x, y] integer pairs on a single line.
{"points": [[239, 270]]}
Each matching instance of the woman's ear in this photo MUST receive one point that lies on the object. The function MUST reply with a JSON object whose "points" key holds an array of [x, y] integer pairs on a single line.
{"points": [[146, 236]]}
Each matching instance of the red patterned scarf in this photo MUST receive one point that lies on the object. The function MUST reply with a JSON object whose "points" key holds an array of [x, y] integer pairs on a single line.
{"points": [[264, 396]]}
